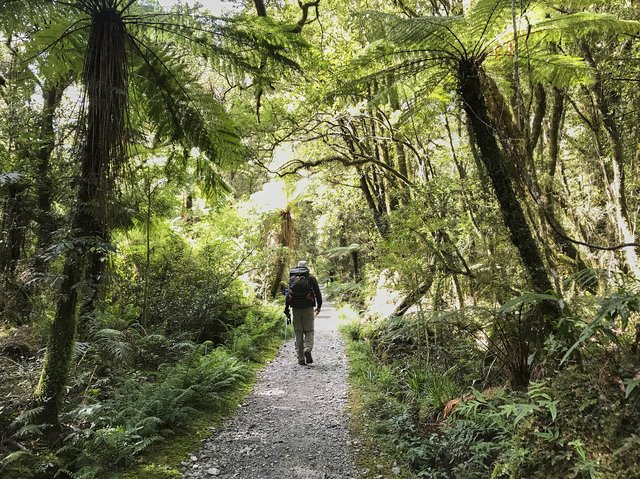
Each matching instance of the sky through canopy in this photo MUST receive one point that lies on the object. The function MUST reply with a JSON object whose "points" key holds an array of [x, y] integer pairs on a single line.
{"points": [[216, 7]]}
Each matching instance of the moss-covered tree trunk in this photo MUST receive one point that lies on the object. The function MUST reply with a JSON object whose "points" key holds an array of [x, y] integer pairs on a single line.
{"points": [[46, 222], [605, 101], [285, 240], [510, 130], [475, 108], [532, 334], [52, 95], [13, 237], [105, 81]]}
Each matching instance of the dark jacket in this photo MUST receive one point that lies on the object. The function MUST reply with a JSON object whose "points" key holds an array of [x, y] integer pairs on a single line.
{"points": [[316, 292]]}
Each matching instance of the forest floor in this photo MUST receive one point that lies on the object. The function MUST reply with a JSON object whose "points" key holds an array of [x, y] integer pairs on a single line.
{"points": [[294, 424]]}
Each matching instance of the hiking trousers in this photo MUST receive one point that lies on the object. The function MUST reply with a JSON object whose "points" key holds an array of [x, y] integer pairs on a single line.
{"points": [[303, 319]]}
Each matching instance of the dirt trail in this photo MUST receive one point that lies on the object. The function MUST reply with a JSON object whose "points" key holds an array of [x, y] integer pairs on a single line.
{"points": [[293, 425]]}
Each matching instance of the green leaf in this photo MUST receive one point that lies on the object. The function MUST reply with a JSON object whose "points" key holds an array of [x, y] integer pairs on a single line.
{"points": [[631, 385], [515, 304]]}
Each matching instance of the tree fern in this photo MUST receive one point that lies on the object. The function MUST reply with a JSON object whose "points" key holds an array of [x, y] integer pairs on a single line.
{"points": [[111, 34], [485, 28]]}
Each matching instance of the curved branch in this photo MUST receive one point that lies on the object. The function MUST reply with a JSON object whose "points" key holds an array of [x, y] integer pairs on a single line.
{"points": [[304, 19], [294, 166], [559, 232]]}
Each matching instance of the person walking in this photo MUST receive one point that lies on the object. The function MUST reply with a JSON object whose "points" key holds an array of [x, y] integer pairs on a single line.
{"points": [[303, 295]]}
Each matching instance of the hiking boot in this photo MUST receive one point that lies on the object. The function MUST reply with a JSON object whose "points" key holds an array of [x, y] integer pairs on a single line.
{"points": [[301, 362], [307, 355]]}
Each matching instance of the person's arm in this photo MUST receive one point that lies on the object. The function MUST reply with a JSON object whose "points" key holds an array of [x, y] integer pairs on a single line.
{"points": [[286, 303], [317, 293], [287, 312]]}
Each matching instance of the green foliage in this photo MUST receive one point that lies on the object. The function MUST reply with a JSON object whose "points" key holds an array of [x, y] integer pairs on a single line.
{"points": [[565, 426], [342, 292], [618, 307], [193, 292], [141, 412], [256, 334]]}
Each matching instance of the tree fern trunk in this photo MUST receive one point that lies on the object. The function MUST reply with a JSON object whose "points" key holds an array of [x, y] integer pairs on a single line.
{"points": [[494, 162], [531, 334], [105, 81]]}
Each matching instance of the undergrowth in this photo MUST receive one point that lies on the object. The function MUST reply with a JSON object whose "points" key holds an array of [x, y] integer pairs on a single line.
{"points": [[430, 396], [122, 421]]}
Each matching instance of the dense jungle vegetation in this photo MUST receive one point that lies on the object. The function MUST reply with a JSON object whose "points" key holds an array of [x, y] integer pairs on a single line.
{"points": [[463, 175]]}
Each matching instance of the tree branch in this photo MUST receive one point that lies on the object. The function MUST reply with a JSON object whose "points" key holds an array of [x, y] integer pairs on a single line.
{"points": [[304, 19], [294, 166], [559, 232]]}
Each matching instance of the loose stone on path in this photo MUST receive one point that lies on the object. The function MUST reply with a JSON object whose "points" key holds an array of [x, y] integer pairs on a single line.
{"points": [[293, 425]]}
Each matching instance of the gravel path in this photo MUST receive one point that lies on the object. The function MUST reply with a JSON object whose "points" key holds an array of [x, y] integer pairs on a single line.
{"points": [[293, 425]]}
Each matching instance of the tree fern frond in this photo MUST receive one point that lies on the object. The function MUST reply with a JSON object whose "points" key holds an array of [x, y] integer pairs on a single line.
{"points": [[430, 34], [560, 71], [484, 19], [183, 112], [580, 25], [218, 38]]}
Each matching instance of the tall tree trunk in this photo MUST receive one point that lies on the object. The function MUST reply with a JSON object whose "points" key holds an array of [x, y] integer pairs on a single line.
{"points": [[604, 104], [474, 106], [509, 130], [379, 216], [14, 224], [105, 81], [394, 102], [52, 96], [377, 212], [548, 198], [285, 240], [14, 228], [46, 222], [416, 295], [531, 334]]}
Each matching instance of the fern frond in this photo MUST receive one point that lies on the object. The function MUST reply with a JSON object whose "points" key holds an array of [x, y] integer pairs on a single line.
{"points": [[115, 344], [580, 25], [342, 251], [486, 19], [185, 114], [14, 456], [145, 443], [431, 35], [27, 417], [28, 430], [561, 71]]}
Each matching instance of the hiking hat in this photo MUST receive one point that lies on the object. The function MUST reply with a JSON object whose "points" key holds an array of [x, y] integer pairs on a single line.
{"points": [[302, 264]]}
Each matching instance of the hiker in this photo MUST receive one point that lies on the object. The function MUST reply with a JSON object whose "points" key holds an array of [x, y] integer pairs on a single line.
{"points": [[302, 296]]}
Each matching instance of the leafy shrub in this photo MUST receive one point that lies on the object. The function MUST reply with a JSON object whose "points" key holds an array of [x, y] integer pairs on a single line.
{"points": [[582, 423], [192, 291]]}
